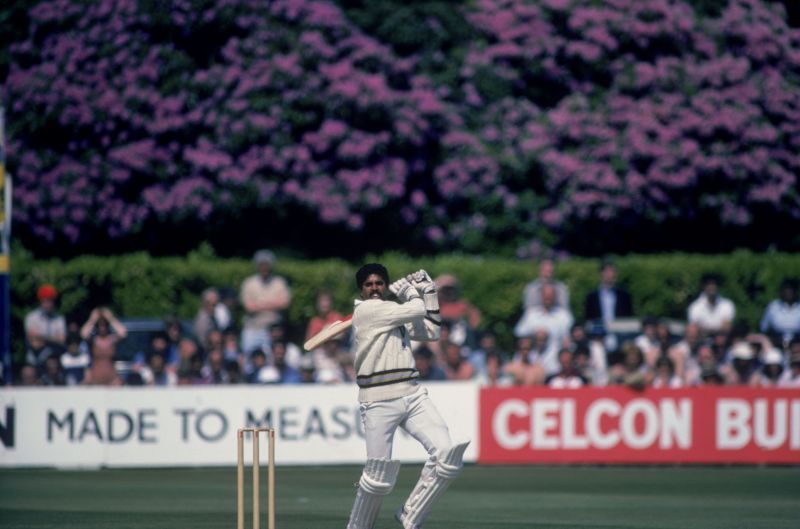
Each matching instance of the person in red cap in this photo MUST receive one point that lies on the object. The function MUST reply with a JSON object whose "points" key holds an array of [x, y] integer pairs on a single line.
{"points": [[44, 323]]}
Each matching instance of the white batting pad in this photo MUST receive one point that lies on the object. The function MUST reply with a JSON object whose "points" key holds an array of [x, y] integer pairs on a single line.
{"points": [[377, 480], [430, 487]]}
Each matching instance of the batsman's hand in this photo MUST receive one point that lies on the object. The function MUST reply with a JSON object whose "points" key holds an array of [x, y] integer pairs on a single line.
{"points": [[422, 281], [403, 290]]}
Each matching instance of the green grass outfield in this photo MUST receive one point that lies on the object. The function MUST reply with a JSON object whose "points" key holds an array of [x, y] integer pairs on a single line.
{"points": [[560, 497]]}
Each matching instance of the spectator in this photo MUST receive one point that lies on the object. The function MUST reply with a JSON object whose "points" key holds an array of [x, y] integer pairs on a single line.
{"points": [[525, 368], [457, 367], [325, 314], [782, 315], [230, 346], [258, 361], [462, 316], [29, 376], [495, 374], [771, 368], [532, 293], [487, 344], [277, 332], [791, 377], [711, 312], [44, 321], [608, 302], [556, 321], [174, 331], [53, 374], [279, 372], [665, 376], [703, 362], [155, 372], [187, 351], [264, 295], [214, 370], [38, 351], [428, 370], [686, 348], [741, 368], [648, 341], [632, 371], [307, 373], [234, 371], [212, 315], [567, 377], [103, 331], [75, 360], [329, 360]]}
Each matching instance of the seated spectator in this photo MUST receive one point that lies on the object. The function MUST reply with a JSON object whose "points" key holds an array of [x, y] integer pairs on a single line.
{"points": [[328, 362], [665, 376], [258, 361], [53, 374], [75, 360], [710, 311], [230, 346], [212, 315], [494, 374], [487, 344], [567, 377], [791, 376], [214, 369], [38, 350], [525, 367], [174, 331], [324, 316], [456, 366], [29, 376], [277, 332], [103, 331], [234, 371], [686, 348], [278, 371], [703, 362], [771, 368], [44, 321], [155, 372], [462, 316], [782, 316], [648, 341], [187, 351], [741, 366], [608, 302], [428, 370], [264, 295], [632, 371], [555, 321], [532, 293], [307, 373]]}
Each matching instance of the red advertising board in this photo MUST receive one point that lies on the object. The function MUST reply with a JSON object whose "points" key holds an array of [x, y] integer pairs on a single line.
{"points": [[619, 425]]}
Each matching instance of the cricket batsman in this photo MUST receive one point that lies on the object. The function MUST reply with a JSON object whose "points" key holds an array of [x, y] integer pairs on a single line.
{"points": [[390, 394]]}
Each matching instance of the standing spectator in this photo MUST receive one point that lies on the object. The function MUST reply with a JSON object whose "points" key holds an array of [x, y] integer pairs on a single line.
{"points": [[608, 302], [75, 360], [264, 295], [462, 316], [556, 321], [44, 321], [782, 316], [103, 331], [532, 293], [567, 377], [325, 314], [710, 311], [212, 316]]}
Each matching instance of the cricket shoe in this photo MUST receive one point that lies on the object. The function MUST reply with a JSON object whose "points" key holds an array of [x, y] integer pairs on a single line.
{"points": [[400, 516]]}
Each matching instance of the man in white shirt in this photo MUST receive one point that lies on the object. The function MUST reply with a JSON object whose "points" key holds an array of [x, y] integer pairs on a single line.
{"points": [[782, 315], [264, 295], [710, 311], [556, 320]]}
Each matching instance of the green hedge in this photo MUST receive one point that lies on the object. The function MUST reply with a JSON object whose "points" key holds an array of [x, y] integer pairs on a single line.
{"points": [[138, 285]]}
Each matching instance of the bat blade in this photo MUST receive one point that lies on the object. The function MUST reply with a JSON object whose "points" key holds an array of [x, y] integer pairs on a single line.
{"points": [[331, 331]]}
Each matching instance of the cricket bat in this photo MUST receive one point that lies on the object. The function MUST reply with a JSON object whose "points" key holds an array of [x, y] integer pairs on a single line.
{"points": [[331, 331]]}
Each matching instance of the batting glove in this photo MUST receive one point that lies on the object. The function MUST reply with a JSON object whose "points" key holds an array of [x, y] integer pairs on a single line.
{"points": [[422, 281], [403, 290]]}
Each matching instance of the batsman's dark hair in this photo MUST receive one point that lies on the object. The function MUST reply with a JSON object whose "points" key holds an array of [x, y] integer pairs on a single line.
{"points": [[368, 269]]}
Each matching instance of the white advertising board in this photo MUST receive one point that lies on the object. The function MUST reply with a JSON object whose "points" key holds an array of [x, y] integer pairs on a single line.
{"points": [[196, 426]]}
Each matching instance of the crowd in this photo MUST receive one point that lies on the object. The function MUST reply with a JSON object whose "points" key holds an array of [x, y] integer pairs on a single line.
{"points": [[550, 347]]}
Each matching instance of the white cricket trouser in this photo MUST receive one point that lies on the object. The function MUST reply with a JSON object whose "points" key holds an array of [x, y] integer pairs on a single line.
{"points": [[415, 414]]}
